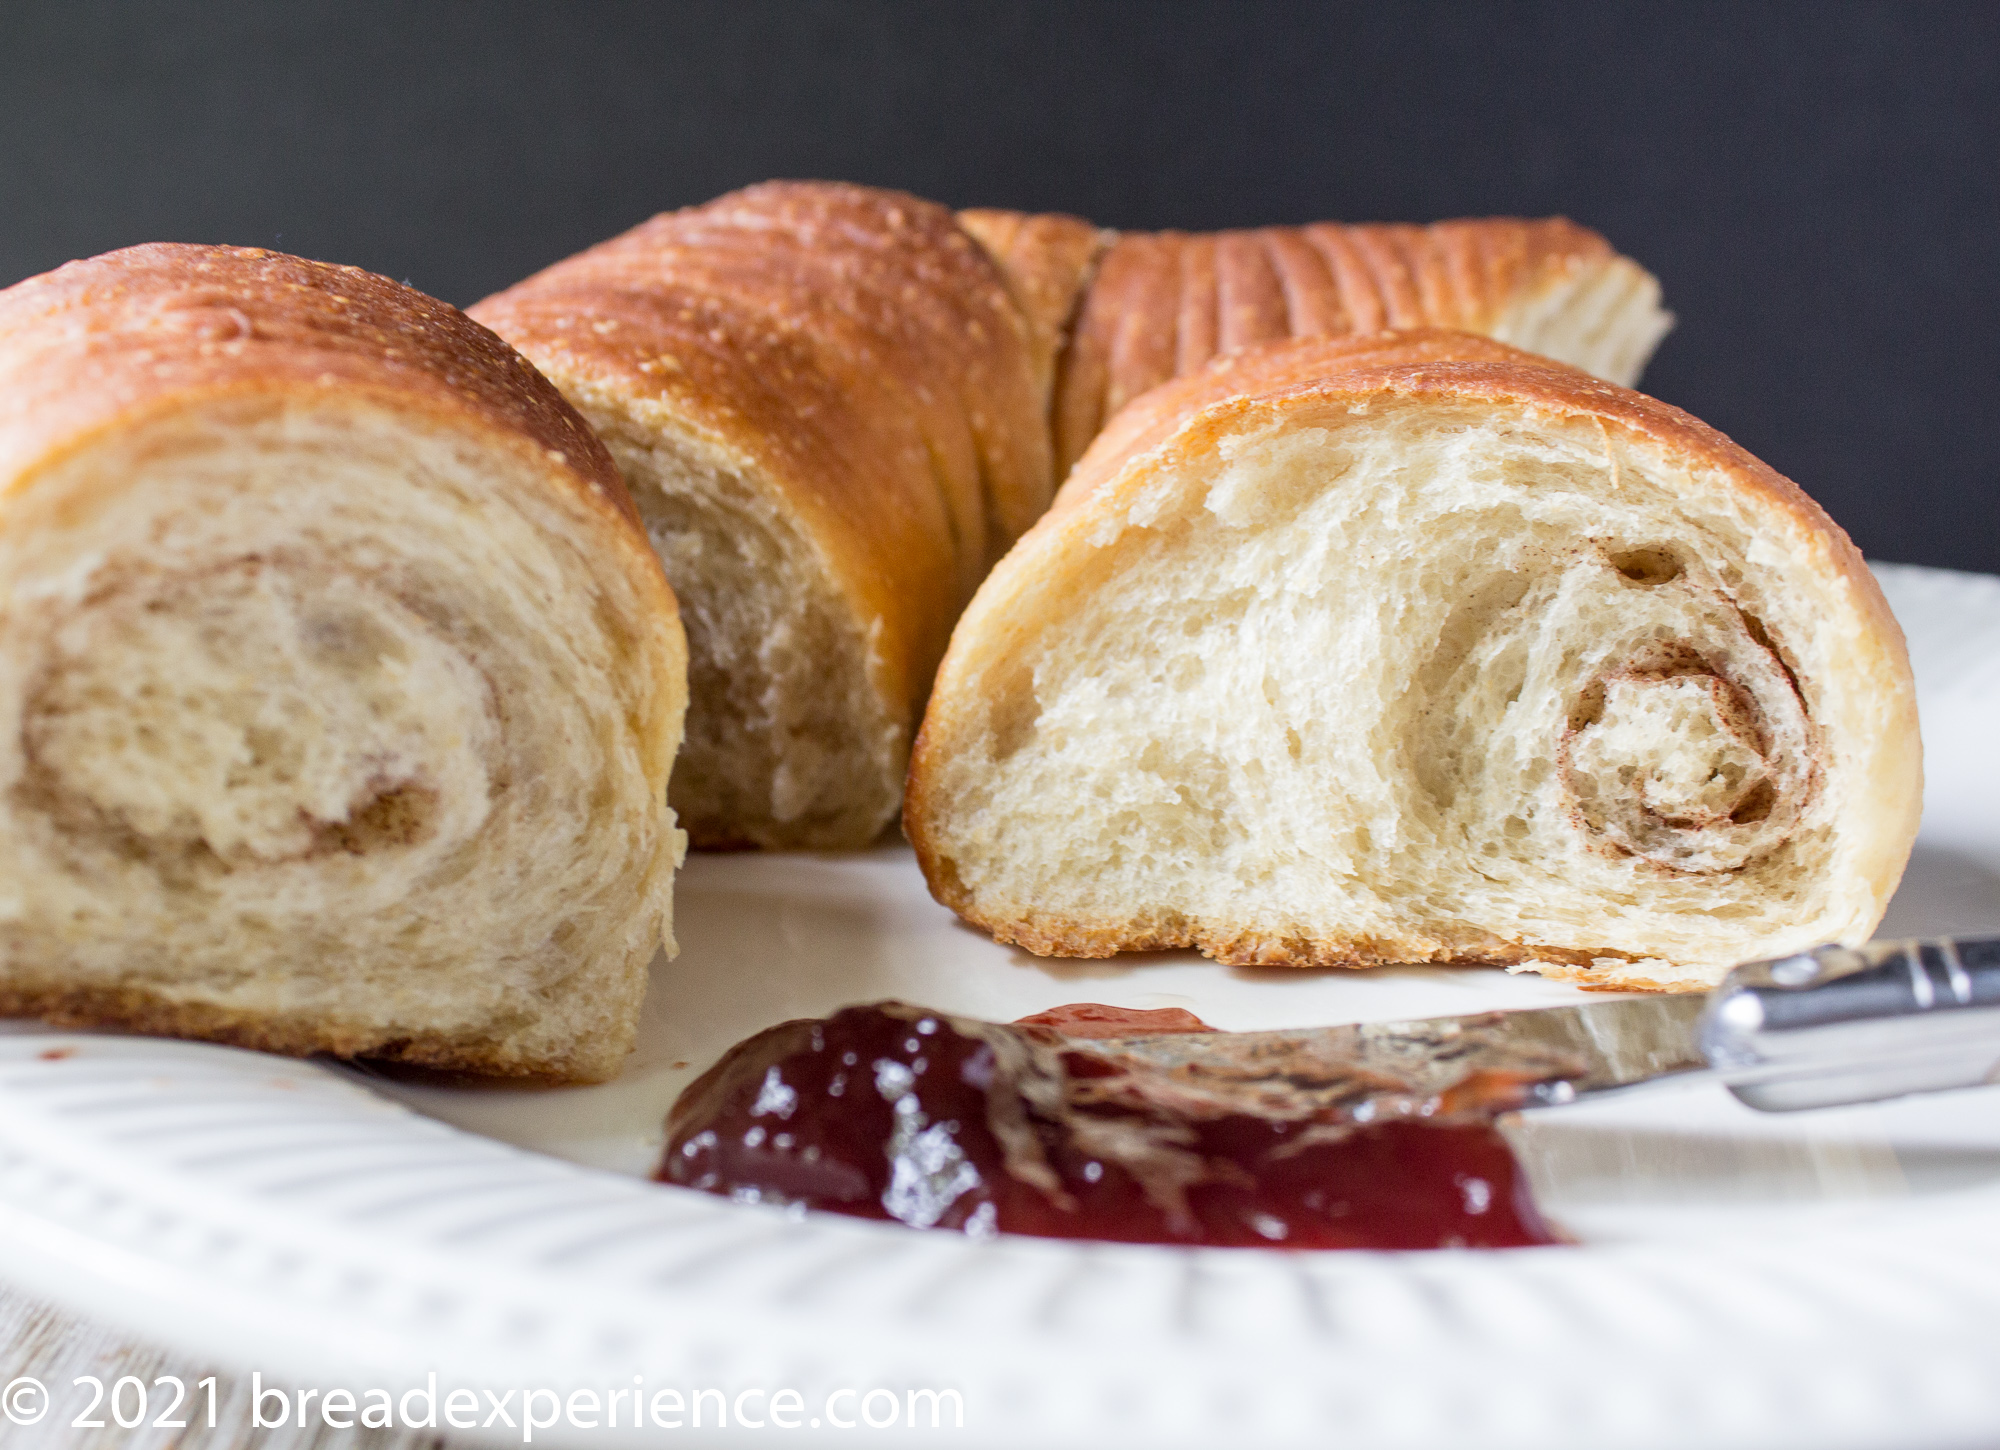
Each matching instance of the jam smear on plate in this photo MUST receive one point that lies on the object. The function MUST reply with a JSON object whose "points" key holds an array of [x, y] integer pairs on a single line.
{"points": [[1331, 1139], [1095, 1019]]}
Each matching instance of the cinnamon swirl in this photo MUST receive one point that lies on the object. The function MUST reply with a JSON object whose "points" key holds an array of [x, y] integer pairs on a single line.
{"points": [[339, 686], [1416, 648]]}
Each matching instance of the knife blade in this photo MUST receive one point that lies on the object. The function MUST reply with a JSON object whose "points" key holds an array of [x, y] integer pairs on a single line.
{"points": [[1820, 1028], [1816, 1029]]}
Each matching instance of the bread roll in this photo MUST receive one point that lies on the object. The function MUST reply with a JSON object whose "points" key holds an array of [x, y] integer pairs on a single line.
{"points": [[1162, 304], [838, 406], [826, 401], [340, 687], [1420, 649]]}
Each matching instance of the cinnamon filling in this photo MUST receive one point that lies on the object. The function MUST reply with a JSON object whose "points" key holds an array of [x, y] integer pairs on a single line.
{"points": [[249, 716], [1696, 757]]}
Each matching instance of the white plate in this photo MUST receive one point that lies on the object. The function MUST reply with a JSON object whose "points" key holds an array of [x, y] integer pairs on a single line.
{"points": [[1823, 1279]]}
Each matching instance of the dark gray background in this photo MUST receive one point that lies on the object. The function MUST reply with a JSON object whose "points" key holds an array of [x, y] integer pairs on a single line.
{"points": [[1818, 186]]}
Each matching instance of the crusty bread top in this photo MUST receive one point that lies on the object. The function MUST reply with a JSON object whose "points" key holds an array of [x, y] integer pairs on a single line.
{"points": [[1048, 260], [890, 298], [1164, 303], [100, 340]]}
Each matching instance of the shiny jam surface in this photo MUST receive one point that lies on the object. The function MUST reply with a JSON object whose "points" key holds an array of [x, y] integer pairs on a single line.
{"points": [[1094, 1019], [890, 1111]]}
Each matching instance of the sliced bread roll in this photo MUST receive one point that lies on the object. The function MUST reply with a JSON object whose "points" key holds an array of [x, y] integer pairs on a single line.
{"points": [[1417, 648], [339, 687], [831, 410]]}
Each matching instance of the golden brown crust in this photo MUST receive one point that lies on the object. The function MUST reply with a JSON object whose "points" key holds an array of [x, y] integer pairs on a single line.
{"points": [[1073, 938], [1613, 978], [1165, 303], [895, 303], [1188, 417], [1048, 260], [295, 1035], [1125, 331], [99, 341]]}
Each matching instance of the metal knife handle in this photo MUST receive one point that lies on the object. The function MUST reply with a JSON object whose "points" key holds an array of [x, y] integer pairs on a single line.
{"points": [[1855, 1025]]}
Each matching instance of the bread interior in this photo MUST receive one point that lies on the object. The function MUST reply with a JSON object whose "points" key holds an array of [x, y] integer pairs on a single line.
{"points": [[789, 742], [327, 728], [1410, 681], [1602, 316]]}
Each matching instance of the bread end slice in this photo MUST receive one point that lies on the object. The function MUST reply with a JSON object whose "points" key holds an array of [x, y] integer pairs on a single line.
{"points": [[1358, 652]]}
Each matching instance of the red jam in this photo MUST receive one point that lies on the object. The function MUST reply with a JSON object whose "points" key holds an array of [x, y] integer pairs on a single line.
{"points": [[1095, 1019], [891, 1111]]}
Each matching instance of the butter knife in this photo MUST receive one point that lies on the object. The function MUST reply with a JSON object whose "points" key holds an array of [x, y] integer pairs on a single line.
{"points": [[1824, 1027], [1821, 1028]]}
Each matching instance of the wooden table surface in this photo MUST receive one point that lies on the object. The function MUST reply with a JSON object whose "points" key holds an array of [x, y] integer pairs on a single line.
{"points": [[56, 1347]]}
